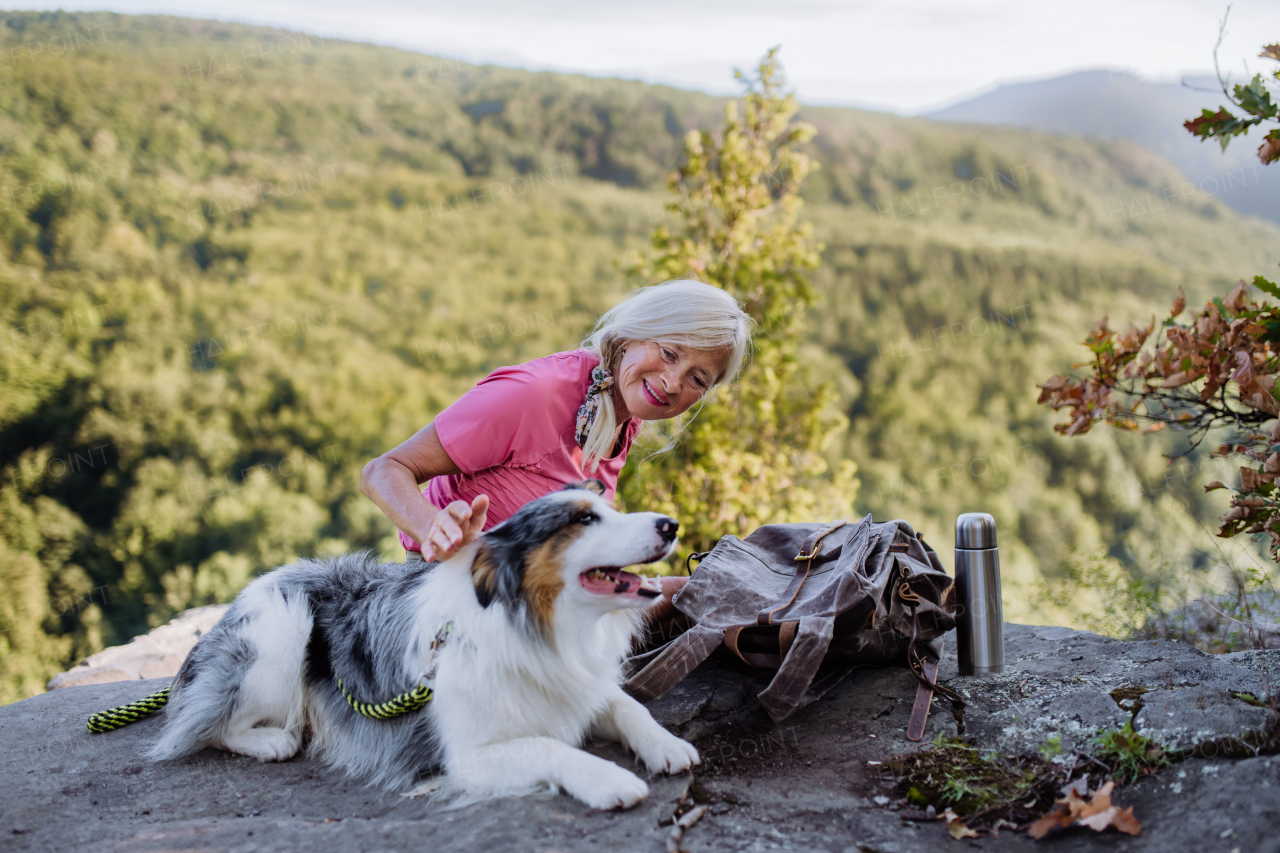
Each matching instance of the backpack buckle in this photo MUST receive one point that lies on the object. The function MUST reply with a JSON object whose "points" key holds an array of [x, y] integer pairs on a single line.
{"points": [[817, 541]]}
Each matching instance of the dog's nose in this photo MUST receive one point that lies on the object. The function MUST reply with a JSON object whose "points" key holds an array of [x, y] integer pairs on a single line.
{"points": [[667, 528]]}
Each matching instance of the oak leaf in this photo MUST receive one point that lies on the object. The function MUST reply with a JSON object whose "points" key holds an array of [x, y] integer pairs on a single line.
{"points": [[1203, 124], [1097, 813], [1059, 817], [1238, 298], [1126, 822], [1269, 150]]}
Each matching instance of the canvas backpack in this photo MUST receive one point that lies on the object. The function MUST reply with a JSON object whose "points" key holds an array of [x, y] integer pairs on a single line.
{"points": [[793, 597]]}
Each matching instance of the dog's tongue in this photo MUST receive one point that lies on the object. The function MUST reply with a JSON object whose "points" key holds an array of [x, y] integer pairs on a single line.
{"points": [[618, 582]]}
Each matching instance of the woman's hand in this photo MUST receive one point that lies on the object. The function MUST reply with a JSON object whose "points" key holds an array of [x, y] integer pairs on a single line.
{"points": [[453, 527]]}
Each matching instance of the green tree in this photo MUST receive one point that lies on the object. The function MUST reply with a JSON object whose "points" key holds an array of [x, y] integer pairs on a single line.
{"points": [[757, 455]]}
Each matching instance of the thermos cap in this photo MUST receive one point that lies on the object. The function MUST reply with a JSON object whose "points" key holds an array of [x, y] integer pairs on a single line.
{"points": [[975, 530]]}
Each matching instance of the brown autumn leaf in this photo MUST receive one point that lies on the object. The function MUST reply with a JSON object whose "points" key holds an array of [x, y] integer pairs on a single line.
{"points": [[1270, 51], [1269, 150], [1216, 484], [1179, 304], [1059, 817], [1126, 822], [1101, 801], [956, 827], [1098, 821], [1253, 394], [1238, 298], [1243, 374], [1097, 813]]}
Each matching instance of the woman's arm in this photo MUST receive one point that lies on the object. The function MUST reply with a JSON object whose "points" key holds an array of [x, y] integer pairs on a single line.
{"points": [[391, 482]]}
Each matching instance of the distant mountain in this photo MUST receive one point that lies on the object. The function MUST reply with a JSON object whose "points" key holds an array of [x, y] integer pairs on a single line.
{"points": [[1117, 105]]}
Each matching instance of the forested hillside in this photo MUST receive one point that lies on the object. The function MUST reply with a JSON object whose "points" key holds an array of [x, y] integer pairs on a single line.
{"points": [[237, 263]]}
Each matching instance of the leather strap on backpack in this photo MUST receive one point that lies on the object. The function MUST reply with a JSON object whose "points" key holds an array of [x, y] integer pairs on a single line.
{"points": [[786, 638], [926, 672], [924, 669], [676, 661], [808, 551], [924, 698]]}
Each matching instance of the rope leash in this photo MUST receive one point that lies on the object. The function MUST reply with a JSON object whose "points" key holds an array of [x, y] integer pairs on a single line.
{"points": [[117, 718], [410, 700]]}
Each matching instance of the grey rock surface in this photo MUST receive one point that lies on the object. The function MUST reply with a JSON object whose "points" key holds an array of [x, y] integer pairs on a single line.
{"points": [[1183, 718], [806, 784]]}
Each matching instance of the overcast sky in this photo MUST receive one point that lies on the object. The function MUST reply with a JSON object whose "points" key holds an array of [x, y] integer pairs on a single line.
{"points": [[907, 56]]}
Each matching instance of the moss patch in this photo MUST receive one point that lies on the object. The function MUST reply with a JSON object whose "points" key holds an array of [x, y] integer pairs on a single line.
{"points": [[983, 786], [1129, 698]]}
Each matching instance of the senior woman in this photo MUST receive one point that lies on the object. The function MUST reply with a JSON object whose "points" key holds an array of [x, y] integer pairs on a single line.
{"points": [[527, 430]]}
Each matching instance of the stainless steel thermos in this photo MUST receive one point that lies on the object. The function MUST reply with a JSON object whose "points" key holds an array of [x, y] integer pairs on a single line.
{"points": [[980, 617]]}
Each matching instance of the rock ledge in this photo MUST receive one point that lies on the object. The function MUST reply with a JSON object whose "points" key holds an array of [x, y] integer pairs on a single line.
{"points": [[804, 785]]}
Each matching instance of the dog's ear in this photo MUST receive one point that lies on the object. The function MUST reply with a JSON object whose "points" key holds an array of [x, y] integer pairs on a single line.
{"points": [[591, 485], [496, 572], [484, 574]]}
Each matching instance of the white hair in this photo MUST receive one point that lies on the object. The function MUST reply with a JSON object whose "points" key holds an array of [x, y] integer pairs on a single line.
{"points": [[682, 312]]}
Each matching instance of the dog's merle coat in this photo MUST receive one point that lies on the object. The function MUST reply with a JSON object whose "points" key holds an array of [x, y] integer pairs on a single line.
{"points": [[534, 660]]}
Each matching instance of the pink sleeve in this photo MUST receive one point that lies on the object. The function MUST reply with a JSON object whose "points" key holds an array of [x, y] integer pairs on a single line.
{"points": [[507, 419]]}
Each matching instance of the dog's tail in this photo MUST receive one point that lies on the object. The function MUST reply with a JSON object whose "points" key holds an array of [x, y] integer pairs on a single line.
{"points": [[203, 696], [247, 670]]}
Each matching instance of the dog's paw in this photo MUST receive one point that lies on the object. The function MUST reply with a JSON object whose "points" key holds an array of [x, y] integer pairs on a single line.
{"points": [[609, 786], [666, 753], [264, 744]]}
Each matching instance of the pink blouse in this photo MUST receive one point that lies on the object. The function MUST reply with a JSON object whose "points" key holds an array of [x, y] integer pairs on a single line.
{"points": [[513, 437]]}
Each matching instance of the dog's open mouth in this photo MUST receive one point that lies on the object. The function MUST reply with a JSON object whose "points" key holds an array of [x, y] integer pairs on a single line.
{"points": [[611, 581]]}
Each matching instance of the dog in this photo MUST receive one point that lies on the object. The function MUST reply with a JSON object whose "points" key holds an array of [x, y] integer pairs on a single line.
{"points": [[521, 634]]}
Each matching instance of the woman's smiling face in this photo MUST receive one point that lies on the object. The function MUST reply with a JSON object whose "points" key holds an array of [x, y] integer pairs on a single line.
{"points": [[657, 381]]}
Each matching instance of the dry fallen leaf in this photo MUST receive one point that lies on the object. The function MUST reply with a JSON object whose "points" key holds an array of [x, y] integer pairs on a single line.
{"points": [[1100, 803], [956, 827], [1126, 822], [1098, 821], [1055, 818], [1097, 813]]}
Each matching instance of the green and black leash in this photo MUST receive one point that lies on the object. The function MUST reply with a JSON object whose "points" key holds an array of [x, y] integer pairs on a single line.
{"points": [[410, 700], [116, 718]]}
